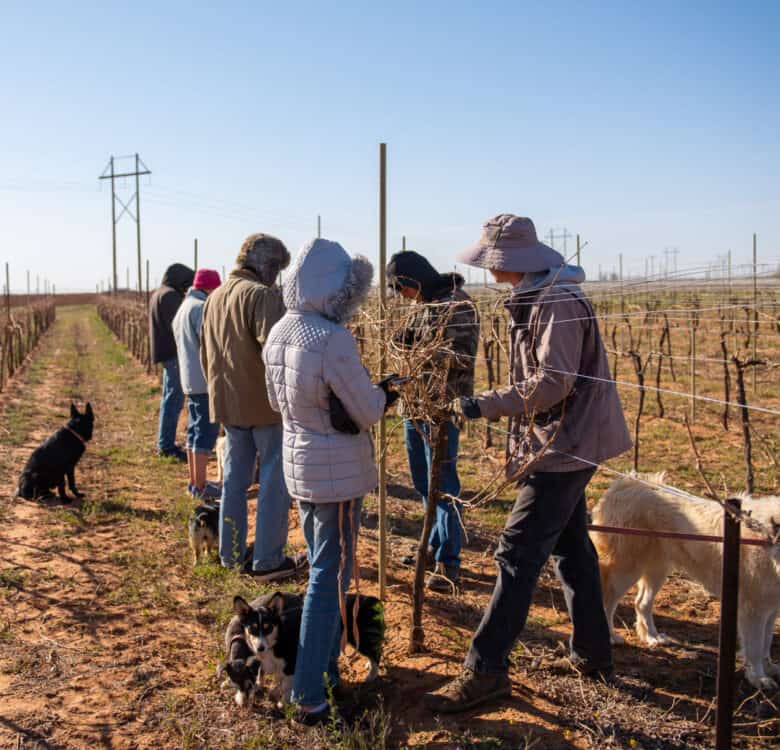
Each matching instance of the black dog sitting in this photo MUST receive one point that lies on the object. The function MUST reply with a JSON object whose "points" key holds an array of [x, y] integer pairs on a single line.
{"points": [[56, 458]]}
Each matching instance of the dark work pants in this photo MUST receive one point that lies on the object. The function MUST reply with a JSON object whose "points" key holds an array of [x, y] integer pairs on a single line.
{"points": [[549, 518]]}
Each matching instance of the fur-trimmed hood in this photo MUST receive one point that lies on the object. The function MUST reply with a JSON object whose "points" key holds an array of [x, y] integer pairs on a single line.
{"points": [[326, 280]]}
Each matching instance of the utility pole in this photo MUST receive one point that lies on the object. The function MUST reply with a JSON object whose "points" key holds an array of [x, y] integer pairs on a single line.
{"points": [[109, 173], [319, 226], [403, 243], [138, 223], [579, 249], [566, 235], [196, 253]]}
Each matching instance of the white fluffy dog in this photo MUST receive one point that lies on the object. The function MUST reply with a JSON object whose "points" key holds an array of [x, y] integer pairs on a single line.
{"points": [[626, 560]]}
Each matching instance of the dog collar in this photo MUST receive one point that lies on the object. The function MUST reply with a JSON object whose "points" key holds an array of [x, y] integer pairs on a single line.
{"points": [[73, 432]]}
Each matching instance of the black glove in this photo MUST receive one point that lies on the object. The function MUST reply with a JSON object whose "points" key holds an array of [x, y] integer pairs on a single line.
{"points": [[467, 406], [390, 396], [339, 418], [405, 339]]}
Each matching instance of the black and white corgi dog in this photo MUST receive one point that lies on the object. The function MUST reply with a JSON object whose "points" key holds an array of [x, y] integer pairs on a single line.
{"points": [[242, 669], [272, 632], [203, 527]]}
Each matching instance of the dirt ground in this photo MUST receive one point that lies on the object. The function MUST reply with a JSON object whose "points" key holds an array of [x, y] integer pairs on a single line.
{"points": [[109, 637]]}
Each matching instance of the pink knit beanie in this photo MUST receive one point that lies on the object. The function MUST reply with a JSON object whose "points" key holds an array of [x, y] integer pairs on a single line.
{"points": [[206, 279]]}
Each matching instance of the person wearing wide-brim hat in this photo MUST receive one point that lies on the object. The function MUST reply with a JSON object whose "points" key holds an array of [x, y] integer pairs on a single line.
{"points": [[565, 418]]}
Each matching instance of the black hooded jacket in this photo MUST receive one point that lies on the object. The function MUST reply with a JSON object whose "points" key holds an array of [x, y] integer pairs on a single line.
{"points": [[444, 303], [411, 269], [164, 303]]}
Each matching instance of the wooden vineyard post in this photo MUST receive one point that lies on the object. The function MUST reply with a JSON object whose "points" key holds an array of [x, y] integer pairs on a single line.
{"points": [[745, 420], [755, 308], [438, 448], [382, 432], [727, 635], [693, 372]]}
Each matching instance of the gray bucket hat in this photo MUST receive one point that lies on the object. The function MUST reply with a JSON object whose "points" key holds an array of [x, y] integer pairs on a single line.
{"points": [[509, 243]]}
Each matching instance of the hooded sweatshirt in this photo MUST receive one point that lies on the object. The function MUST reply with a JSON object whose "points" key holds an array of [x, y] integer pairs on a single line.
{"points": [[309, 354], [163, 306], [443, 303], [559, 380]]}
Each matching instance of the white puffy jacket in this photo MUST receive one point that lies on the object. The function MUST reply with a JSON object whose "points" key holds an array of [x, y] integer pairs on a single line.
{"points": [[308, 353]]}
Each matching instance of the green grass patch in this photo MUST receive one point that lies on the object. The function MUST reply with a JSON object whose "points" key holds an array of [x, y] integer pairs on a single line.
{"points": [[12, 578]]}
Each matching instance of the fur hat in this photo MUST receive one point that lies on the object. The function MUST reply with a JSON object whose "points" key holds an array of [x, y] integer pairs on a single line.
{"points": [[264, 254]]}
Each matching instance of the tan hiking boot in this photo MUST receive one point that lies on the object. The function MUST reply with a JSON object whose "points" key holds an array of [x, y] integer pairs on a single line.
{"points": [[468, 690]]}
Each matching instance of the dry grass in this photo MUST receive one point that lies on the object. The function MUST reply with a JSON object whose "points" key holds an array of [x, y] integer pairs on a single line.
{"points": [[109, 637]]}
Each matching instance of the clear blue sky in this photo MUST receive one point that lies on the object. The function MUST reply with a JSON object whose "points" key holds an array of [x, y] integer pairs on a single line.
{"points": [[640, 126]]}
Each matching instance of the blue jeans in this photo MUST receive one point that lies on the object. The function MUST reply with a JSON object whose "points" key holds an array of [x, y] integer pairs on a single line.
{"points": [[549, 518], [445, 535], [242, 446], [202, 433], [319, 641], [171, 404]]}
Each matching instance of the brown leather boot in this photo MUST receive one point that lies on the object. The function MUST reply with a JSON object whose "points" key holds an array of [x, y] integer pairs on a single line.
{"points": [[467, 690]]}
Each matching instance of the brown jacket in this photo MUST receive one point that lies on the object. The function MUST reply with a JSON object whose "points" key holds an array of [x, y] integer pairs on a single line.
{"points": [[237, 318], [560, 379]]}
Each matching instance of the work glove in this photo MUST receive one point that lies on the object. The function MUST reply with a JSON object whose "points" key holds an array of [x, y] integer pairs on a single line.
{"points": [[466, 406], [391, 396]]}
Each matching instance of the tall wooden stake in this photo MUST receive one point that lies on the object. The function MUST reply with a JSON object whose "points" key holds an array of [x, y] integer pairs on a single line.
{"points": [[382, 365], [693, 371], [755, 309], [727, 636]]}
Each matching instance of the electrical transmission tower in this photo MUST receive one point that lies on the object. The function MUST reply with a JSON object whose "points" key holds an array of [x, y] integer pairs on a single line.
{"points": [[110, 174], [564, 235]]}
